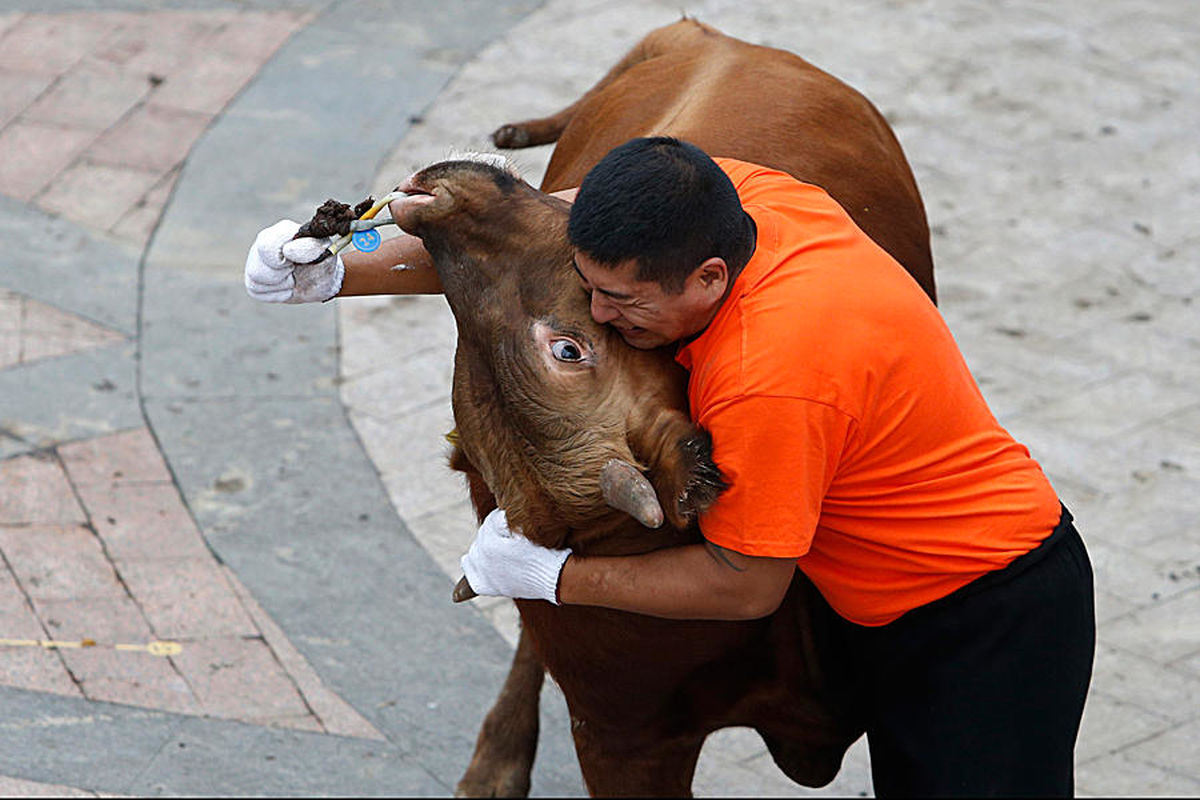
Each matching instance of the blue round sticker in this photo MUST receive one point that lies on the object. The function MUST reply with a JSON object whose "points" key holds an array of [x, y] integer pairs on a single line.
{"points": [[366, 241]]}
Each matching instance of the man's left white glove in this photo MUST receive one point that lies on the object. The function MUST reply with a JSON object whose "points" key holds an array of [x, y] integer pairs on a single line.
{"points": [[280, 269], [504, 563]]}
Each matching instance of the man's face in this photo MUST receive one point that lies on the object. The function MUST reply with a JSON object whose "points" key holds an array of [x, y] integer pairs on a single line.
{"points": [[645, 315]]}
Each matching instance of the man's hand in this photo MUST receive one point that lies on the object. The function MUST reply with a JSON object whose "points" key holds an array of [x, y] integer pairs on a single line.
{"points": [[280, 269], [504, 563]]}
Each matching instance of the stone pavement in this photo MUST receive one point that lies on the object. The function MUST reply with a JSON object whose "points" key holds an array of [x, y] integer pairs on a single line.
{"points": [[235, 521]]}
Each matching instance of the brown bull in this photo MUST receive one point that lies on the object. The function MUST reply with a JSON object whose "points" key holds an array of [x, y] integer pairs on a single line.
{"points": [[550, 406]]}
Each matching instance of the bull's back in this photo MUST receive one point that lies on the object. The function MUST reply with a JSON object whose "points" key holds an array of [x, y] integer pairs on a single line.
{"points": [[765, 106]]}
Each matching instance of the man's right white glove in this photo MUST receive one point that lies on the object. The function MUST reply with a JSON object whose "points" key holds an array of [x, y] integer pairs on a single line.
{"points": [[280, 269], [503, 563]]}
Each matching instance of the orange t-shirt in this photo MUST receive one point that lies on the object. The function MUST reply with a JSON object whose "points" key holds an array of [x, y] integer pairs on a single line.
{"points": [[846, 421]]}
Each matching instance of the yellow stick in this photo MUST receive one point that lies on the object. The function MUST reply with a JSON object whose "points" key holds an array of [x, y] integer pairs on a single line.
{"points": [[370, 213], [153, 648]]}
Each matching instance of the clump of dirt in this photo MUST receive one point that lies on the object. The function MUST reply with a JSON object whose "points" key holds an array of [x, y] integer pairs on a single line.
{"points": [[333, 219]]}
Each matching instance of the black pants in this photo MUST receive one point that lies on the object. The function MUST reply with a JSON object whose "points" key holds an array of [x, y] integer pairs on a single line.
{"points": [[981, 693]]}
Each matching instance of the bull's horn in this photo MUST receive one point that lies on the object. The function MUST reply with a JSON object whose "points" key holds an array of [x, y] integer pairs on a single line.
{"points": [[463, 590], [625, 488]]}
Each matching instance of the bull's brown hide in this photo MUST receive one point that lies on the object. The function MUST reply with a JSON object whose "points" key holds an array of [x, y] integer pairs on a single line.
{"points": [[643, 692]]}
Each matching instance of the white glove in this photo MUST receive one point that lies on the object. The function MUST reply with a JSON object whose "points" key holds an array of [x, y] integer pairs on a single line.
{"points": [[504, 563], [280, 269]]}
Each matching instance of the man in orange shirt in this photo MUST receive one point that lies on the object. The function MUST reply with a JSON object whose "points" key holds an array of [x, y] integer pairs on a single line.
{"points": [[858, 448]]}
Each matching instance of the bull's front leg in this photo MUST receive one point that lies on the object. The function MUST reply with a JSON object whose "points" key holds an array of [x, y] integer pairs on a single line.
{"points": [[507, 741]]}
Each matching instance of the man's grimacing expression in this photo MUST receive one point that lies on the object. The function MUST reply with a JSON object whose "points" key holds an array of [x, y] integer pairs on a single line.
{"points": [[643, 313]]}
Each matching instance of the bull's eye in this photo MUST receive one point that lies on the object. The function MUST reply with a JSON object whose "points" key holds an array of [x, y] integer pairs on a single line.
{"points": [[566, 350]]}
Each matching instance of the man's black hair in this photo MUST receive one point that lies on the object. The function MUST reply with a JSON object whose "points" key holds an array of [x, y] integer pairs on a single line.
{"points": [[663, 202]]}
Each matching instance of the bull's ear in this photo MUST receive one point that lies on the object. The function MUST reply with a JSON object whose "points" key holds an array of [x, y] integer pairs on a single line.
{"points": [[678, 457]]}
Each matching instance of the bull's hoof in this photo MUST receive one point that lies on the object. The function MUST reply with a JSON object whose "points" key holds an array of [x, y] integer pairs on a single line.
{"points": [[511, 781], [511, 137]]}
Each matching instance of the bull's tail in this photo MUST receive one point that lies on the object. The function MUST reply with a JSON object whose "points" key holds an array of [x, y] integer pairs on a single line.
{"points": [[546, 130]]}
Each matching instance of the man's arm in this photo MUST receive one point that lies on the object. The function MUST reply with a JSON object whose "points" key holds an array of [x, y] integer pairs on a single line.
{"points": [[401, 265], [701, 581]]}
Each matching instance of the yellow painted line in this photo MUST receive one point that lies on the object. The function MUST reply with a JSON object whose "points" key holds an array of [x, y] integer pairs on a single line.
{"points": [[153, 648]]}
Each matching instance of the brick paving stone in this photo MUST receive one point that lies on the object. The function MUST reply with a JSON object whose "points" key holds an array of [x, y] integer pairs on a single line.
{"points": [[93, 96], [238, 678], [16, 615], [52, 43], [206, 86], [1144, 682], [7, 21], [151, 137], [119, 457], [1126, 573], [139, 222], [132, 677], [298, 722], [1110, 606], [70, 334], [1110, 725], [34, 489], [97, 195], [1090, 468], [1169, 537], [111, 620], [1190, 664], [1164, 631], [399, 326], [11, 309], [10, 348], [186, 598], [335, 714], [1176, 558], [418, 477], [1120, 775], [17, 91], [257, 33], [37, 669], [156, 43], [394, 389], [59, 562], [446, 533], [104, 673], [31, 155], [1173, 750], [1186, 422], [18, 787], [1156, 454], [1151, 343], [47, 331], [1114, 407], [143, 520], [27, 667]]}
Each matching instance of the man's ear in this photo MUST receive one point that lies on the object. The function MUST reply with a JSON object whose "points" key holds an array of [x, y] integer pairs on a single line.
{"points": [[712, 276]]}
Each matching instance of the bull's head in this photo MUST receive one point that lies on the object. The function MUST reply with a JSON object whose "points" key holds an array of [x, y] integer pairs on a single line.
{"points": [[557, 413]]}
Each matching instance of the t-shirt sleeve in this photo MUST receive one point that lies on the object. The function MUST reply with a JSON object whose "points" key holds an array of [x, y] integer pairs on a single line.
{"points": [[755, 184], [779, 455]]}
